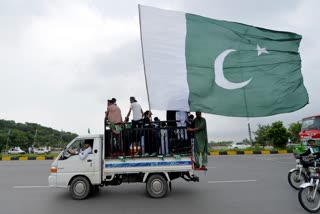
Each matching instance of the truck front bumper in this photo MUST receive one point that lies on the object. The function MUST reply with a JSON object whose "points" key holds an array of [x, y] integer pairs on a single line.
{"points": [[52, 180]]}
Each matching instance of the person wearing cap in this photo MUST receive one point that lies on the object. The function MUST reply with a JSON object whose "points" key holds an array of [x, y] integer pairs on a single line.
{"points": [[83, 153], [200, 140], [137, 113]]}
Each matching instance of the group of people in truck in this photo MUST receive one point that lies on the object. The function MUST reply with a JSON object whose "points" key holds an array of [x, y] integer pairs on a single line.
{"points": [[145, 137]]}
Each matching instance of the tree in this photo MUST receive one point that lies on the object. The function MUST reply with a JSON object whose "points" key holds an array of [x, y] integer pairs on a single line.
{"points": [[294, 129], [261, 135], [19, 138], [278, 134], [3, 141]]}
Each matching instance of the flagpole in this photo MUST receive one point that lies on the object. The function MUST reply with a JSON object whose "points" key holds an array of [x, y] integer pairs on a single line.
{"points": [[144, 66]]}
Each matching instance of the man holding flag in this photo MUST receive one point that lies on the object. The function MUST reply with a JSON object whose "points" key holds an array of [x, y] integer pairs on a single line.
{"points": [[200, 140]]}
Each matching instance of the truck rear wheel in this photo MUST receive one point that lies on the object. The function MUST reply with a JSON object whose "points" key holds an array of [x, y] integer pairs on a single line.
{"points": [[157, 186], [80, 188]]}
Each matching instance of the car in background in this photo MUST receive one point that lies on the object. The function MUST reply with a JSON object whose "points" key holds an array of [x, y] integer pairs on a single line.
{"points": [[16, 151], [239, 145], [40, 151]]}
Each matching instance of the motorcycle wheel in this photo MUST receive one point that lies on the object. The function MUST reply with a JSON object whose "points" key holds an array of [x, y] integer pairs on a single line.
{"points": [[306, 201], [295, 180]]}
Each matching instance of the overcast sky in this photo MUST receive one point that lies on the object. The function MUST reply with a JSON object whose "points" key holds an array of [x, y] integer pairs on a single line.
{"points": [[61, 60]]}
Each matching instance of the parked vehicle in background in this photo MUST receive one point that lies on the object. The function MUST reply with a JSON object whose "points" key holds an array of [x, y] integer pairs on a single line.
{"points": [[310, 129], [41, 151], [239, 145], [16, 151]]}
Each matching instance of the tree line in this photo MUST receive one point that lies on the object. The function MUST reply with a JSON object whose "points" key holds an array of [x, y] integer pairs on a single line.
{"points": [[276, 135], [31, 134]]}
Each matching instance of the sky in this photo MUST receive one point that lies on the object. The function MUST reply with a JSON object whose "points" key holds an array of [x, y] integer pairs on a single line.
{"points": [[60, 61]]}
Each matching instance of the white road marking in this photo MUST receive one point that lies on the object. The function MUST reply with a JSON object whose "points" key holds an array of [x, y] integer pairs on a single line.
{"points": [[232, 181], [28, 187]]}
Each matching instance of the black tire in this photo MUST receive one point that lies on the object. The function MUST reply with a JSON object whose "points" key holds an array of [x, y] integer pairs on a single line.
{"points": [[306, 201], [94, 190], [295, 180], [80, 188], [157, 186]]}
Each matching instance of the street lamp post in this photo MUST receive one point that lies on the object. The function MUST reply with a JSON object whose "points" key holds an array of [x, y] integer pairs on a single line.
{"points": [[249, 130]]}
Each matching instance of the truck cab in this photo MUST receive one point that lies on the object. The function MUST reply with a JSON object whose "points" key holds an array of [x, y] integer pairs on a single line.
{"points": [[71, 165]]}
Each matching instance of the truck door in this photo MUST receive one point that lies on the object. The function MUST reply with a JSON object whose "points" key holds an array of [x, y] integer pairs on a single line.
{"points": [[71, 165]]}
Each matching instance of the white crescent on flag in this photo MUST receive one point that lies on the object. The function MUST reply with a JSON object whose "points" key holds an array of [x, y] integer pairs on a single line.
{"points": [[219, 75]]}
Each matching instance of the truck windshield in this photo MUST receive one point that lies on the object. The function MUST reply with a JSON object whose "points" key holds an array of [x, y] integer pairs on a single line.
{"points": [[310, 123], [76, 145]]}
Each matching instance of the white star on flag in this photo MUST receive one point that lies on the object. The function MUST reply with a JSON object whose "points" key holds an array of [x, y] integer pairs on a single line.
{"points": [[261, 50]]}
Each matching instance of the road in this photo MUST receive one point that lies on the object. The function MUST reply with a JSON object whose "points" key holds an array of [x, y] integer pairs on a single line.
{"points": [[243, 184]]}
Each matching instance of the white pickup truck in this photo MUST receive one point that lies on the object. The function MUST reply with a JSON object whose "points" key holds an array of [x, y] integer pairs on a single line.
{"points": [[125, 157]]}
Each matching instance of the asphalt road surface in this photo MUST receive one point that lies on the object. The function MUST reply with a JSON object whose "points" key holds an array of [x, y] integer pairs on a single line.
{"points": [[243, 184]]}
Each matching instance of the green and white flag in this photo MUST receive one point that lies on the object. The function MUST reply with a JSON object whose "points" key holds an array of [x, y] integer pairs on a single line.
{"points": [[193, 63]]}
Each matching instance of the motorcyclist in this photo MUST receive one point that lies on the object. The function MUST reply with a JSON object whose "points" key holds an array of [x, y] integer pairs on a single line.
{"points": [[313, 151]]}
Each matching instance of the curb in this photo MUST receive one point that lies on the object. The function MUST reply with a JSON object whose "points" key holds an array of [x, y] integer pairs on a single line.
{"points": [[249, 152], [24, 158], [263, 152]]}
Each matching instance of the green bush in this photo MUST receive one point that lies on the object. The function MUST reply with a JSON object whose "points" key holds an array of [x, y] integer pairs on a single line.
{"points": [[299, 149]]}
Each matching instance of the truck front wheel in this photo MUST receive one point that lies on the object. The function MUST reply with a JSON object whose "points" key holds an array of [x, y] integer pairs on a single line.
{"points": [[80, 188], [157, 186]]}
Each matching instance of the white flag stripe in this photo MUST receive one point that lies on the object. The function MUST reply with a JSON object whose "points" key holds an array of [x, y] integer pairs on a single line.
{"points": [[231, 181], [163, 37]]}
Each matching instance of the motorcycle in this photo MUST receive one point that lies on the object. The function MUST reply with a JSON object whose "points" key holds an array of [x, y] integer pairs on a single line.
{"points": [[309, 193], [299, 174]]}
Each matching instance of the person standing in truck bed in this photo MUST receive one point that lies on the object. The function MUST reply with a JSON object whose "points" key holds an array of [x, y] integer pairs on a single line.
{"points": [[113, 116], [137, 113], [113, 113]]}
